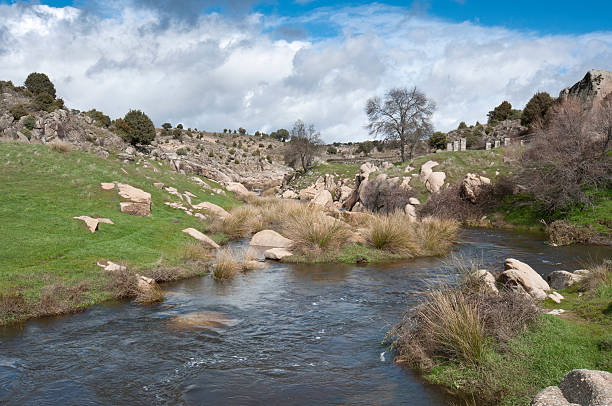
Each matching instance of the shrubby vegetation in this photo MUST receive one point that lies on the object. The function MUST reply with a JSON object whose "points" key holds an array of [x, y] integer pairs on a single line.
{"points": [[100, 119], [303, 147], [438, 140], [136, 128], [503, 112], [535, 110], [39, 83]]}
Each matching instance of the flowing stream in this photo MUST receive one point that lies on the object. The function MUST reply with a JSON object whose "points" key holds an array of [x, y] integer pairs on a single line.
{"points": [[288, 334]]}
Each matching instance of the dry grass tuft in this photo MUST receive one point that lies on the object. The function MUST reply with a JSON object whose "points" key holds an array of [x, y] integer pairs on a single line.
{"points": [[599, 275], [250, 260], [244, 221], [60, 146], [123, 284], [12, 305], [436, 236], [226, 265], [313, 231], [392, 232], [152, 294]]}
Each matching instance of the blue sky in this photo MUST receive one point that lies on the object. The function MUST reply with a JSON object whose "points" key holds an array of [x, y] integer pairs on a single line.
{"points": [[542, 16], [263, 64]]}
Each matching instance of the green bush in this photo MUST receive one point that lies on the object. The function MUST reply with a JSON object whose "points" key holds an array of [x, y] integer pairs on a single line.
{"points": [[101, 119], [43, 102], [242, 131], [166, 126], [39, 83], [438, 140], [332, 150], [138, 128], [18, 111], [29, 122], [536, 108], [462, 126]]}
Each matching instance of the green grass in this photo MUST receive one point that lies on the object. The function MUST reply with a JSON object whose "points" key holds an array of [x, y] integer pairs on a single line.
{"points": [[348, 254], [339, 170], [41, 243], [595, 216]]}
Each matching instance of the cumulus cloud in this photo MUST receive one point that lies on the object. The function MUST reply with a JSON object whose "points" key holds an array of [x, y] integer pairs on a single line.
{"points": [[263, 72]]}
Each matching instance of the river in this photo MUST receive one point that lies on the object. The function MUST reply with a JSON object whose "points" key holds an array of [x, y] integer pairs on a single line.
{"points": [[288, 334]]}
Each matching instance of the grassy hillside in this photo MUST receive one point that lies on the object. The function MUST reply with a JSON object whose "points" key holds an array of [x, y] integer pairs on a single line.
{"points": [[42, 247]]}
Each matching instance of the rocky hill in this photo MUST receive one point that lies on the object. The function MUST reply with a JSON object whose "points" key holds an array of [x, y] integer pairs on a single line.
{"points": [[252, 160]]}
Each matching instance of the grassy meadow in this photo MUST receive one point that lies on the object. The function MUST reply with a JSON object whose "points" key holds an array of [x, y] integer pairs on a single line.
{"points": [[45, 253]]}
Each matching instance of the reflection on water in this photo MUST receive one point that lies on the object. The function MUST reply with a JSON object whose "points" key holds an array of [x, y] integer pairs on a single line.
{"points": [[297, 335]]}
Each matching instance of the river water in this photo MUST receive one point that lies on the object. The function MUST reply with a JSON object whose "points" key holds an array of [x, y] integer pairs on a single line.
{"points": [[288, 334]]}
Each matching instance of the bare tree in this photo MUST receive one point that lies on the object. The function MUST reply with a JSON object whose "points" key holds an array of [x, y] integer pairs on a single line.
{"points": [[404, 115], [304, 145]]}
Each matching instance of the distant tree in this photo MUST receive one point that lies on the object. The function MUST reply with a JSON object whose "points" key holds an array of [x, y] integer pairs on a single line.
{"points": [[438, 140], [40, 83], [280, 134], [137, 128], [303, 146], [179, 126], [257, 134], [225, 131], [536, 108], [332, 150], [366, 147], [166, 126], [462, 126], [43, 102], [242, 131], [380, 145], [404, 116], [500, 113]]}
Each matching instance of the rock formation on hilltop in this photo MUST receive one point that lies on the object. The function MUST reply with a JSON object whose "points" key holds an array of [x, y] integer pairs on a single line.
{"points": [[595, 85]]}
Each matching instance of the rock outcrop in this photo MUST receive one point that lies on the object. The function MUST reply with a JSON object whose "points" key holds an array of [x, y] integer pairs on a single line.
{"points": [[92, 223], [592, 89], [580, 387], [565, 279], [138, 201]]}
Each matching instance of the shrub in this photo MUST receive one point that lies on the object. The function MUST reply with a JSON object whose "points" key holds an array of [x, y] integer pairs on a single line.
{"points": [[211, 154], [39, 83], [436, 236], [100, 119], [381, 195], [29, 122], [438, 140], [18, 111], [43, 102], [462, 126], [243, 221], [226, 265], [569, 156], [536, 108], [197, 252], [166, 126], [137, 128], [332, 150], [242, 131]]}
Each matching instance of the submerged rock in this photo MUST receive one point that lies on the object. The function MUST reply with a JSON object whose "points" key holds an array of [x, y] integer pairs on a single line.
{"points": [[277, 253]]}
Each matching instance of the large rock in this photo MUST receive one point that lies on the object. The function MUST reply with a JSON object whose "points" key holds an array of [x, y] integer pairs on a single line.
{"points": [[488, 280], [366, 169], [277, 253], [435, 181], [323, 198], [520, 276], [426, 170], [238, 188], [132, 194], [289, 194], [270, 238], [345, 193], [410, 212], [213, 208], [201, 237], [563, 279], [580, 387], [472, 185]]}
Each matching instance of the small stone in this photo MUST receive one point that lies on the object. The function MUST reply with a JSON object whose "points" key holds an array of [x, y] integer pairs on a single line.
{"points": [[277, 253], [107, 186], [158, 185]]}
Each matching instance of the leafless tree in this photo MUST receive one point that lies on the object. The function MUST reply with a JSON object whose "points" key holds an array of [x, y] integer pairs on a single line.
{"points": [[569, 156], [404, 115], [304, 145]]}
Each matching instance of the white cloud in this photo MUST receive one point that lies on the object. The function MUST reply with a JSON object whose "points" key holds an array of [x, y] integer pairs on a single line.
{"points": [[213, 73]]}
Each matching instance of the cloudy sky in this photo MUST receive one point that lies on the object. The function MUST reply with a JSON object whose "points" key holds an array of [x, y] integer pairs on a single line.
{"points": [[263, 64]]}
